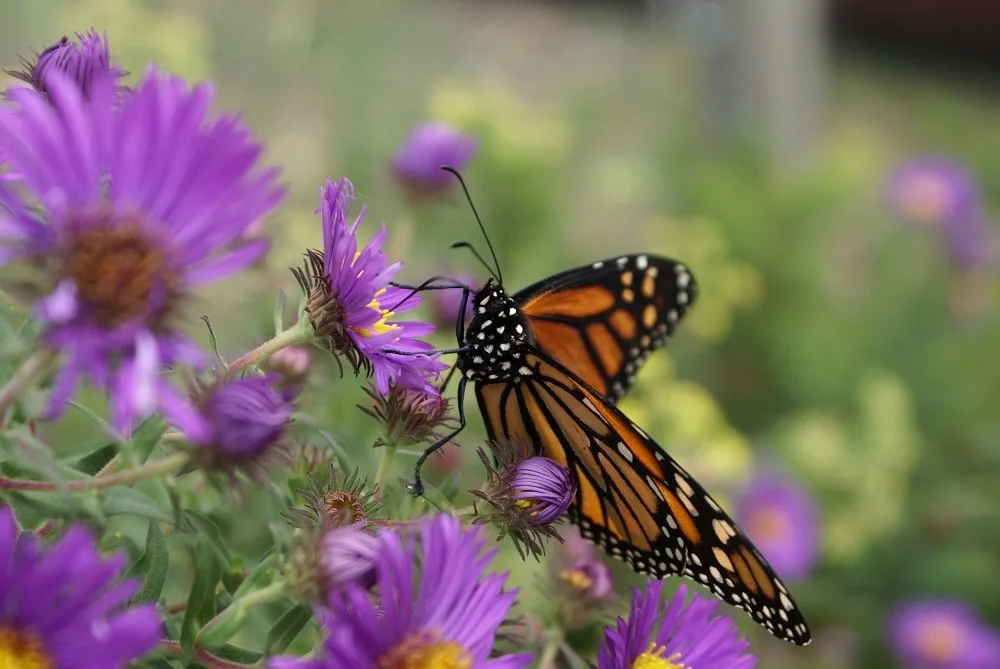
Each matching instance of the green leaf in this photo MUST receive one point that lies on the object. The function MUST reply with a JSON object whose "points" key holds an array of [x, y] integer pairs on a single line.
{"points": [[129, 501], [287, 628], [237, 654], [146, 437], [201, 601], [95, 461], [29, 453], [35, 509], [92, 416], [209, 531], [152, 566], [279, 313]]}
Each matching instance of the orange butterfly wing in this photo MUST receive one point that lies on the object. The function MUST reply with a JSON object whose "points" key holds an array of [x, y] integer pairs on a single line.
{"points": [[602, 320], [634, 500]]}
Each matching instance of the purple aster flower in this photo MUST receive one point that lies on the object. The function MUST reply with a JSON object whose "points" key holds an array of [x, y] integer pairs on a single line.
{"points": [[131, 205], [779, 515], [673, 634], [449, 619], [417, 164], [932, 191], [942, 634], [544, 487], [350, 301], [446, 303], [239, 419], [82, 62], [64, 605]]}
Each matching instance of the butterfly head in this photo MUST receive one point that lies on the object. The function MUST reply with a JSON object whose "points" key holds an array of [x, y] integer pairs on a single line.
{"points": [[495, 338]]}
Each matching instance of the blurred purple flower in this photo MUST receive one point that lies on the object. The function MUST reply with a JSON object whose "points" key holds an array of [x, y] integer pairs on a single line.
{"points": [[449, 619], [446, 303], [239, 419], [780, 516], [673, 633], [942, 634], [351, 303], [133, 204], [544, 488], [590, 578], [82, 62], [417, 164], [932, 191], [971, 243], [348, 557], [291, 364], [64, 605]]}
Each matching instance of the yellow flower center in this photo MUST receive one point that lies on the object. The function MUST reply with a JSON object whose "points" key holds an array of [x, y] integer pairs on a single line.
{"points": [[577, 579], [425, 650], [769, 524], [653, 659], [380, 326], [940, 641], [22, 649]]}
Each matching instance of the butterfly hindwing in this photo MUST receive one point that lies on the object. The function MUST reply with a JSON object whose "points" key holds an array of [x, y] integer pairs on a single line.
{"points": [[602, 320], [633, 499]]}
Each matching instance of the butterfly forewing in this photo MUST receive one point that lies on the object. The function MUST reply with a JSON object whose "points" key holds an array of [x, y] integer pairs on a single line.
{"points": [[602, 320]]}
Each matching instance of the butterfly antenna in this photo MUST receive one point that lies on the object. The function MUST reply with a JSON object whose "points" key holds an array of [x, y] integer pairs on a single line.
{"points": [[482, 228], [467, 245]]}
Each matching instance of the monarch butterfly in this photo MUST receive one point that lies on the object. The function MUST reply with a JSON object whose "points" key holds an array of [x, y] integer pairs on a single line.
{"points": [[549, 362]]}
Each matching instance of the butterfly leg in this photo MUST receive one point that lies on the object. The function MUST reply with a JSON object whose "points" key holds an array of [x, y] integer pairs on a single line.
{"points": [[416, 488]]}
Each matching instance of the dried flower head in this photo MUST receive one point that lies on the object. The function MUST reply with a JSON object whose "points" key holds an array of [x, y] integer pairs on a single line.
{"points": [[525, 496], [337, 502], [351, 304], [409, 416]]}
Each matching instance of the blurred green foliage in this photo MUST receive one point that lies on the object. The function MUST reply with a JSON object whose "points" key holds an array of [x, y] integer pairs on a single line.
{"points": [[823, 337]]}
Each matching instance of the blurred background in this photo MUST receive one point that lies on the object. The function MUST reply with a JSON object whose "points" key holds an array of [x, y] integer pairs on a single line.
{"points": [[828, 170]]}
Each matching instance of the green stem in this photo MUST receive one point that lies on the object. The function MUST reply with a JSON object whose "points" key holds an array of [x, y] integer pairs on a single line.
{"points": [[300, 333], [547, 660], [167, 465], [385, 464], [231, 620], [32, 368]]}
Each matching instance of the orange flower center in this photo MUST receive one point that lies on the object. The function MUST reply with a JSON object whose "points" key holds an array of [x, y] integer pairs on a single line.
{"points": [[769, 523], [22, 649], [120, 274], [940, 641]]}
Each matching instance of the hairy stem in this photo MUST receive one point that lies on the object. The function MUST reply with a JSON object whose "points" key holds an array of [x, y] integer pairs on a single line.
{"points": [[300, 333], [162, 467]]}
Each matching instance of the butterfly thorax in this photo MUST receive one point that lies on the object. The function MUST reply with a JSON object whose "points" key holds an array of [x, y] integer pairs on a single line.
{"points": [[495, 338]]}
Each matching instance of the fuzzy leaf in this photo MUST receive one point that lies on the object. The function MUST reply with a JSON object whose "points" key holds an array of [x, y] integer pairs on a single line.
{"points": [[152, 566], [201, 601]]}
